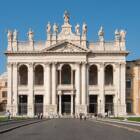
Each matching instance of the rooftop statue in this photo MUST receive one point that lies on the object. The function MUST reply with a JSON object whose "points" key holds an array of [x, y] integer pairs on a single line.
{"points": [[122, 35], [66, 17], [101, 31], [9, 35], [55, 28], [30, 35], [117, 34], [48, 28], [77, 29], [15, 33], [101, 34], [84, 29]]}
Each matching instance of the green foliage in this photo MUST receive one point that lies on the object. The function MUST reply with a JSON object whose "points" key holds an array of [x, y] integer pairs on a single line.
{"points": [[134, 119]]}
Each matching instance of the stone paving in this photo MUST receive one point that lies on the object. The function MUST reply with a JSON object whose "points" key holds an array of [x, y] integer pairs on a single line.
{"points": [[70, 129]]}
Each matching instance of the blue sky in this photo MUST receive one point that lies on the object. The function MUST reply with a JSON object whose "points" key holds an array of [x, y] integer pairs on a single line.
{"points": [[111, 14]]}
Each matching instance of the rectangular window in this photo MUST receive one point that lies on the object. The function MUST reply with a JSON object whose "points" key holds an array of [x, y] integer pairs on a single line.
{"points": [[128, 93], [128, 83], [5, 84], [4, 94], [129, 107]]}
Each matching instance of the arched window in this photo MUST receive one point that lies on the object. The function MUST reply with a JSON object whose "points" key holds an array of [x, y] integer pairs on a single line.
{"points": [[66, 74], [39, 75], [23, 75], [109, 75], [93, 75]]}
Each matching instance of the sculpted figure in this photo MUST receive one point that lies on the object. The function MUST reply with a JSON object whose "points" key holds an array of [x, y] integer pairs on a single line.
{"points": [[15, 33], [77, 29], [55, 28], [117, 35], [9, 35], [84, 29], [101, 31], [30, 35], [48, 28], [101, 34], [122, 35], [66, 17]]}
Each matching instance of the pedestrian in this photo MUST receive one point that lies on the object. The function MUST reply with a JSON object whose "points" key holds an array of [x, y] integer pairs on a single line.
{"points": [[8, 115], [85, 117], [80, 116], [41, 115], [38, 116]]}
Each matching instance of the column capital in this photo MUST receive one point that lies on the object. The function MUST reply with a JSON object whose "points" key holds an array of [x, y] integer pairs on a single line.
{"points": [[78, 63], [59, 92], [14, 64], [47, 64], [123, 63], [9, 64], [117, 65], [30, 65], [102, 65], [84, 63]]}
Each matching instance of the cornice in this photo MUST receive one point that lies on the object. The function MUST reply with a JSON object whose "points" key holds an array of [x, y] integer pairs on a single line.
{"points": [[39, 53]]}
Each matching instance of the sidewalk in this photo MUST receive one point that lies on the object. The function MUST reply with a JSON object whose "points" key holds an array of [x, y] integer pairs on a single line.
{"points": [[8, 126], [133, 123], [132, 126]]}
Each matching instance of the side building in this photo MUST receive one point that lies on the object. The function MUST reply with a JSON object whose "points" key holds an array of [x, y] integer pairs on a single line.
{"points": [[133, 87], [3, 92]]}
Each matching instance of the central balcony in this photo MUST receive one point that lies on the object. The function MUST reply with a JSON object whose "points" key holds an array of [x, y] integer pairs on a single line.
{"points": [[65, 87]]}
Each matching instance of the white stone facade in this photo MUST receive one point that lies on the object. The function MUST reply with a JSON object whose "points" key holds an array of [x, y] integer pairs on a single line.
{"points": [[59, 92]]}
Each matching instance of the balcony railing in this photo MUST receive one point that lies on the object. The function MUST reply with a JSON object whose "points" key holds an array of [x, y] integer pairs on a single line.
{"points": [[93, 87], [65, 87]]}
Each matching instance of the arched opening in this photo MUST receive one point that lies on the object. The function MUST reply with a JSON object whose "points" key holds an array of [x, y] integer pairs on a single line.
{"points": [[93, 75], [66, 74], [109, 75], [23, 75], [39, 75]]}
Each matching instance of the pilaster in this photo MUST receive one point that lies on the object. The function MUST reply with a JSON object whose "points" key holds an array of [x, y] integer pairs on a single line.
{"points": [[47, 84], [10, 86], [31, 92], [117, 87], [15, 93], [60, 104], [72, 105], [122, 89], [54, 105], [101, 100], [84, 88]]}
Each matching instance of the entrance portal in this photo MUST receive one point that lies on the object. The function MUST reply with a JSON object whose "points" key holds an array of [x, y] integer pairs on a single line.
{"points": [[38, 104], [22, 106], [66, 104], [93, 104], [109, 104]]}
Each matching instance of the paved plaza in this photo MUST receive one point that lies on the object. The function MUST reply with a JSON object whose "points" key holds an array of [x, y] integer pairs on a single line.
{"points": [[70, 129]]}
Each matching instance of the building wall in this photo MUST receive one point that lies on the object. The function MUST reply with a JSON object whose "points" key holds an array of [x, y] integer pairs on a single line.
{"points": [[3, 91], [134, 76]]}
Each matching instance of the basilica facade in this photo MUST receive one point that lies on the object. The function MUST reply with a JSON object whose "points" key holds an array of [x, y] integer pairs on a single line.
{"points": [[66, 74]]}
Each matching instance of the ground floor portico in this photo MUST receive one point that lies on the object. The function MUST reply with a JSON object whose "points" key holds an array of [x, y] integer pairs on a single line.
{"points": [[66, 106]]}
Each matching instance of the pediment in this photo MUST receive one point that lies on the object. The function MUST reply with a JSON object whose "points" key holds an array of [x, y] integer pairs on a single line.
{"points": [[65, 47]]}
